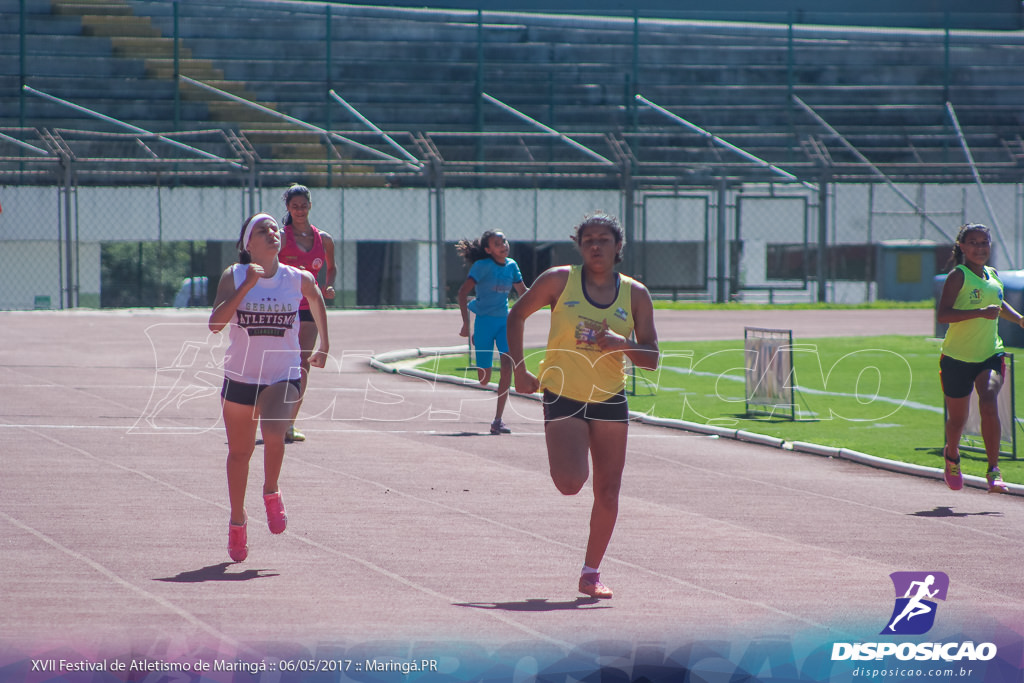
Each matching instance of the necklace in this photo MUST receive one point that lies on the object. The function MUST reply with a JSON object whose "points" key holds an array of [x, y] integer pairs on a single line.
{"points": [[303, 234]]}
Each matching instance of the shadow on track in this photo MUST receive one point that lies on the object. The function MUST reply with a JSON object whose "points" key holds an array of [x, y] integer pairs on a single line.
{"points": [[217, 572], [537, 605]]}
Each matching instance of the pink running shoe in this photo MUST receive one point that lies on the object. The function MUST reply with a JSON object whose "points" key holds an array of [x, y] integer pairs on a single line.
{"points": [[954, 479], [499, 427], [277, 520], [590, 584], [238, 549], [995, 481]]}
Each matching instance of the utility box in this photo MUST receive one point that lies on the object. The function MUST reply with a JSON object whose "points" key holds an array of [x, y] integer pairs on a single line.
{"points": [[1013, 294], [906, 268]]}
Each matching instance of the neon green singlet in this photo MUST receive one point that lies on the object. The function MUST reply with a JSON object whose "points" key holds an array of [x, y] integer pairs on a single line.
{"points": [[574, 366], [977, 339]]}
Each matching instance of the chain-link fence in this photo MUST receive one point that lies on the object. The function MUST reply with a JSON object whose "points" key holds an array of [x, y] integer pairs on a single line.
{"points": [[66, 246], [842, 160]]}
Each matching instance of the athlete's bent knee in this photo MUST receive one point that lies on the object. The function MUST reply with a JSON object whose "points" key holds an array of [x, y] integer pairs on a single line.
{"points": [[568, 486]]}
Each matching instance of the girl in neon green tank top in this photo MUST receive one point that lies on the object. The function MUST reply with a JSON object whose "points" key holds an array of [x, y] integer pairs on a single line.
{"points": [[594, 310], [972, 353]]}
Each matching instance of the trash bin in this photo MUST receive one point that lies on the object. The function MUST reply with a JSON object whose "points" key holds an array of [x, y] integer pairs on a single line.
{"points": [[1013, 294], [906, 268]]}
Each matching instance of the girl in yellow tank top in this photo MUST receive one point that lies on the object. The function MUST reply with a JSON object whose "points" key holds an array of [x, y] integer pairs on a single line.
{"points": [[574, 365], [594, 310]]}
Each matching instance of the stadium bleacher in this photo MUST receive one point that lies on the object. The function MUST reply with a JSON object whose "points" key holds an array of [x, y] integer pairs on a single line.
{"points": [[418, 75]]}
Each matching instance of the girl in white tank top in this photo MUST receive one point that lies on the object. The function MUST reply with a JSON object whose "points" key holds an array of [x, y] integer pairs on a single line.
{"points": [[259, 299]]}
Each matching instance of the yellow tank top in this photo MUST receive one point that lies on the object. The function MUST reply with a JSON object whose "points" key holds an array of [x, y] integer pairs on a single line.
{"points": [[574, 366], [977, 339]]}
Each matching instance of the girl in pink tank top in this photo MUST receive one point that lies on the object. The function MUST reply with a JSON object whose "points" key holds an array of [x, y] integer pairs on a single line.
{"points": [[304, 246]]}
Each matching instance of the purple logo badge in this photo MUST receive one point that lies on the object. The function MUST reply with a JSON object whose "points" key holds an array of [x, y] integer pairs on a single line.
{"points": [[916, 593]]}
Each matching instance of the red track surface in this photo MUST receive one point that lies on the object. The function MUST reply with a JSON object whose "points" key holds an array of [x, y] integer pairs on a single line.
{"points": [[410, 524]]}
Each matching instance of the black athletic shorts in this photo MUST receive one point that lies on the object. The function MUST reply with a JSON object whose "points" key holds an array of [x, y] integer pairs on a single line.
{"points": [[615, 409], [306, 316], [246, 394], [958, 376]]}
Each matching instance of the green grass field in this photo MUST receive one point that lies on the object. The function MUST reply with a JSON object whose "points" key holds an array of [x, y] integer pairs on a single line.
{"points": [[877, 395]]}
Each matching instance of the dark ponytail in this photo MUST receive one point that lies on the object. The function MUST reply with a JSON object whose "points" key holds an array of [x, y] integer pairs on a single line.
{"points": [[477, 249]]}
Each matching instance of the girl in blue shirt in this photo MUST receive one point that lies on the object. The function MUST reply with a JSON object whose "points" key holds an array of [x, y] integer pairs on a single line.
{"points": [[493, 275]]}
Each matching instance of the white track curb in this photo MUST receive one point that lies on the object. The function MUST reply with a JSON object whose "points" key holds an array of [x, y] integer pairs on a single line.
{"points": [[398, 362]]}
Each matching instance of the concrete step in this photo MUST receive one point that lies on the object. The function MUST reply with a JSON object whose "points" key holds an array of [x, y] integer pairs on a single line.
{"points": [[197, 69], [90, 68], [63, 46], [147, 47], [83, 7], [32, 7], [41, 26], [111, 25]]}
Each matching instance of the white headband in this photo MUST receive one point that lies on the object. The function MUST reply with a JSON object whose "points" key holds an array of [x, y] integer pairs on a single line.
{"points": [[250, 225]]}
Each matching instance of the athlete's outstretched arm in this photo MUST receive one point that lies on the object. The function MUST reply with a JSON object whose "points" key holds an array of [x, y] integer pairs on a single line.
{"points": [[544, 292], [332, 268], [318, 309]]}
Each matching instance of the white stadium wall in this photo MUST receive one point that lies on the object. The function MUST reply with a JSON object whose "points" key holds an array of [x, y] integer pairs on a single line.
{"points": [[33, 225]]}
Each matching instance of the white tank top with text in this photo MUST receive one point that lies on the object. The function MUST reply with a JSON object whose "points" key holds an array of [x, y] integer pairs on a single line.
{"points": [[263, 342]]}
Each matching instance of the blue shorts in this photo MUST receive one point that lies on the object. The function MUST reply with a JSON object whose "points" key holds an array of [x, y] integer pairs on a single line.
{"points": [[488, 332], [958, 376]]}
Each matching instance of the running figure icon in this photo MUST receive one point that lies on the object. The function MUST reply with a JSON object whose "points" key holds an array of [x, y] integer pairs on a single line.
{"points": [[916, 596], [915, 606]]}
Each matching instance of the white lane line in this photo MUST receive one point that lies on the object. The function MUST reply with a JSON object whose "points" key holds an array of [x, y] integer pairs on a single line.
{"points": [[807, 492], [546, 539], [206, 627], [96, 566]]}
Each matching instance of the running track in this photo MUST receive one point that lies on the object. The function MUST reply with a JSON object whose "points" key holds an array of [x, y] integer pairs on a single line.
{"points": [[413, 533]]}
